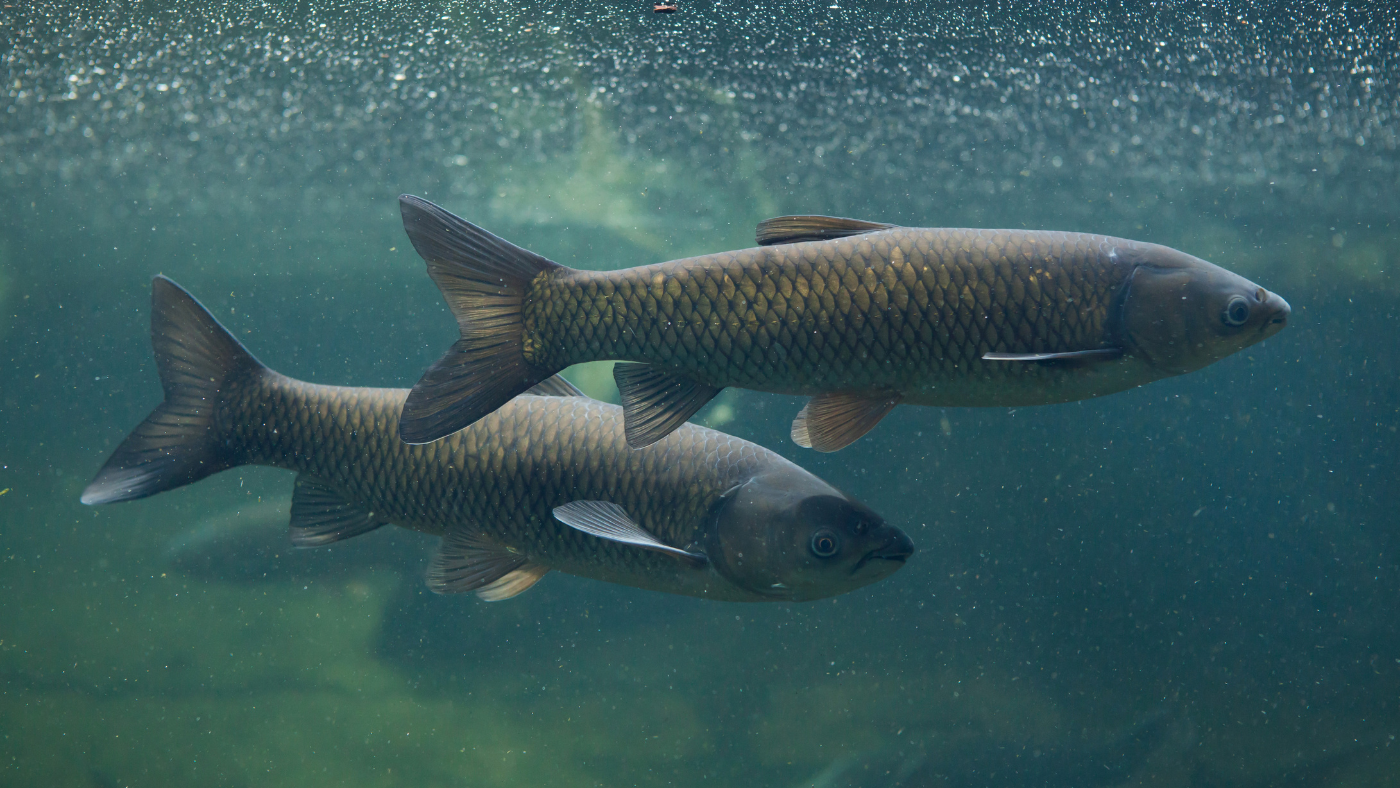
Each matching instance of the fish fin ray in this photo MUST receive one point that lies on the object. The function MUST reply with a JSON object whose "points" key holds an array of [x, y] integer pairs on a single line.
{"points": [[795, 229], [1072, 358], [555, 386], [607, 520], [465, 560], [198, 361], [655, 403], [484, 280], [512, 584], [830, 422], [322, 516]]}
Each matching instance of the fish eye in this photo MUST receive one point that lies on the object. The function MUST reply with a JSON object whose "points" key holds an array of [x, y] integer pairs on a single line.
{"points": [[1236, 312], [825, 544]]}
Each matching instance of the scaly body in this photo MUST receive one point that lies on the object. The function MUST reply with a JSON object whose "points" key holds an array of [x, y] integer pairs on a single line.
{"points": [[505, 476], [904, 310], [689, 515], [861, 316]]}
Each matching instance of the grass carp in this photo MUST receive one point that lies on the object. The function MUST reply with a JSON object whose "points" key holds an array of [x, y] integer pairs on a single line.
{"points": [[545, 483], [858, 315]]}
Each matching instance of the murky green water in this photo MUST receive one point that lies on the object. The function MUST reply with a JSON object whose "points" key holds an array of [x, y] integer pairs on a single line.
{"points": [[1213, 556]]}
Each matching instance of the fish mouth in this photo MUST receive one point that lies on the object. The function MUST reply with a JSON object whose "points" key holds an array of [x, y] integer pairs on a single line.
{"points": [[1279, 319], [897, 549]]}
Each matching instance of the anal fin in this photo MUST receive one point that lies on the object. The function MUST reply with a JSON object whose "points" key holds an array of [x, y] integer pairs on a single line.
{"points": [[512, 584], [655, 403], [467, 561], [795, 229], [321, 515], [607, 520], [830, 422]]}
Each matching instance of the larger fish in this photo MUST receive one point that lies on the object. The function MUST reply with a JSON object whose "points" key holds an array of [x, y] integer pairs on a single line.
{"points": [[859, 315], [547, 482]]}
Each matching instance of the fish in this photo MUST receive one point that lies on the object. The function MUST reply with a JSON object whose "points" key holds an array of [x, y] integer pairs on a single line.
{"points": [[249, 544], [545, 483], [1318, 769], [1003, 764], [418, 631], [860, 316]]}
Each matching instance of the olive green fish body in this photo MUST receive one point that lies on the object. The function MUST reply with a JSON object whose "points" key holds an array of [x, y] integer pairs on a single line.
{"points": [[858, 315], [547, 482], [910, 311], [505, 475]]}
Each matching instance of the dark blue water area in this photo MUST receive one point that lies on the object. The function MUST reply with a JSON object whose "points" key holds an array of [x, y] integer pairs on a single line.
{"points": [[1187, 584]]}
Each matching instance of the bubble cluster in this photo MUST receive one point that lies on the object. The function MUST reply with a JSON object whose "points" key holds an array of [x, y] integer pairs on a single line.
{"points": [[899, 112]]}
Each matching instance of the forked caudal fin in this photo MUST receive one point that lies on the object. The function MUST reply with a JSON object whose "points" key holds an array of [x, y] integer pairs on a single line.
{"points": [[198, 361], [484, 280]]}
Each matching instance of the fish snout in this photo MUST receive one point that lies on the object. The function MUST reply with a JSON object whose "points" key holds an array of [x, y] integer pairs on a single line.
{"points": [[1278, 312], [898, 548]]}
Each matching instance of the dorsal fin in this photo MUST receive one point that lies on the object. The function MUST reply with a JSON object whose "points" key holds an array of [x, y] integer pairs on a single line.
{"points": [[795, 229]]}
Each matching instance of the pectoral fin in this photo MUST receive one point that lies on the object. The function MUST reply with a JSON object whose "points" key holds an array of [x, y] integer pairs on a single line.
{"points": [[555, 386], [322, 516], [607, 520], [795, 229], [655, 403], [467, 561], [834, 421], [1073, 358]]}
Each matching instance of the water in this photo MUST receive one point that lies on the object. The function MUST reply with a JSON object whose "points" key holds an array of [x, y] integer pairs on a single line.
{"points": [[1218, 548]]}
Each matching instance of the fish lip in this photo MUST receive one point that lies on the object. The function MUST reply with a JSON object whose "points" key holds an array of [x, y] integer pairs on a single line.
{"points": [[1279, 314], [897, 549]]}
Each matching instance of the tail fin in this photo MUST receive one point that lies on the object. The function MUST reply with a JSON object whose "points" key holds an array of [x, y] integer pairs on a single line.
{"points": [[198, 360], [484, 279]]}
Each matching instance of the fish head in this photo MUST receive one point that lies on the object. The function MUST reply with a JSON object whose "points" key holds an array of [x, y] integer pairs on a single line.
{"points": [[1181, 313], [788, 535]]}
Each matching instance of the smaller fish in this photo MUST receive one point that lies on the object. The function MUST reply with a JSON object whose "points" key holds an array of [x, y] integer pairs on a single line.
{"points": [[547, 483], [250, 544], [1318, 769], [1000, 764]]}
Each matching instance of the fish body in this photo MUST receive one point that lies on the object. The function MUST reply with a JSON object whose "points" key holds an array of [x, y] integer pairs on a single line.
{"points": [[249, 544], [701, 513], [1001, 764], [858, 315], [907, 311]]}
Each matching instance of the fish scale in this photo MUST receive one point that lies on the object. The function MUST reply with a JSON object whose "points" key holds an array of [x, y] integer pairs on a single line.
{"points": [[898, 308], [546, 482], [859, 315], [502, 476]]}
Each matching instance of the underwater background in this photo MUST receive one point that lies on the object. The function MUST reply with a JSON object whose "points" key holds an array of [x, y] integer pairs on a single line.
{"points": [[1192, 583]]}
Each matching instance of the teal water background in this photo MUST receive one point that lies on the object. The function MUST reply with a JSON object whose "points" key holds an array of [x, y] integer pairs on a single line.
{"points": [[1219, 548]]}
